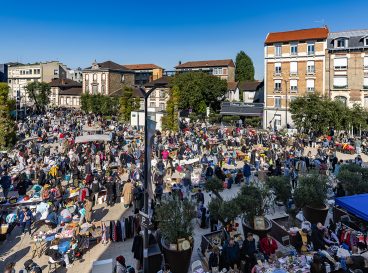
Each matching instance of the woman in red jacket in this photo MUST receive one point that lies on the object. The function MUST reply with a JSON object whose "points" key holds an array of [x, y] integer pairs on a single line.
{"points": [[268, 246]]}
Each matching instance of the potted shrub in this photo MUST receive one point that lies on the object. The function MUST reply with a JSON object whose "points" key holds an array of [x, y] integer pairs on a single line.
{"points": [[282, 188], [310, 196], [215, 185], [251, 202], [175, 223], [353, 178], [224, 211]]}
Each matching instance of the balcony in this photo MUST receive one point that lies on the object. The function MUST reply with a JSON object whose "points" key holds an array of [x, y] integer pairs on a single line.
{"points": [[310, 89], [365, 87], [340, 68], [310, 53], [277, 74], [293, 74], [311, 72], [277, 90], [340, 87]]}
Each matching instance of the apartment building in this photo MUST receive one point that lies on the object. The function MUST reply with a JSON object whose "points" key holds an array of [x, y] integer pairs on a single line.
{"points": [[65, 93], [347, 67], [224, 69], [145, 73], [106, 78], [19, 75], [294, 64]]}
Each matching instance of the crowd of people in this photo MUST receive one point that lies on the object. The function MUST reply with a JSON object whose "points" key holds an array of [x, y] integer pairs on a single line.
{"points": [[53, 177]]}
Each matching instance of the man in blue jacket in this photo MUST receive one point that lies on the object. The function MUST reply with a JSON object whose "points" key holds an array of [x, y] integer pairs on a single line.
{"points": [[25, 220], [247, 173]]}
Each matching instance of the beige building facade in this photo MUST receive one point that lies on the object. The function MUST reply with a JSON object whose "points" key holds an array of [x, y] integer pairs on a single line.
{"points": [[106, 78], [65, 93], [20, 75], [294, 65], [224, 69], [347, 67]]}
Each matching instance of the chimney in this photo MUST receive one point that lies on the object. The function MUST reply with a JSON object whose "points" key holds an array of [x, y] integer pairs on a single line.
{"points": [[63, 81], [179, 62]]}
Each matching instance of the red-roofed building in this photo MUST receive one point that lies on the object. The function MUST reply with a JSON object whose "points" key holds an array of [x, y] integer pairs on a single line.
{"points": [[224, 69], [294, 66]]}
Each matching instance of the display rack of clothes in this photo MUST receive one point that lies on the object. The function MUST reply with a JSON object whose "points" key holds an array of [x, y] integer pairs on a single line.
{"points": [[351, 237], [120, 230]]}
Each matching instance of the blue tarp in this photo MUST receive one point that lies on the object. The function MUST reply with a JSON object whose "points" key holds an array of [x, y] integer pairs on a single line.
{"points": [[355, 204]]}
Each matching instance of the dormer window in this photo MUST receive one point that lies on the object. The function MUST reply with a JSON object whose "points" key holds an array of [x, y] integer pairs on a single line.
{"points": [[366, 41], [341, 43]]}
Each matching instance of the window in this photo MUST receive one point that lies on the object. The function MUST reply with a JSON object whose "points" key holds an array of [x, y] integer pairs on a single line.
{"points": [[217, 71], [278, 51], [277, 120], [103, 76], [162, 94], [366, 102], [152, 104], [277, 68], [277, 85], [87, 88], [95, 89], [30, 71], [56, 72], [340, 63], [365, 83], [365, 41], [341, 43], [293, 68], [310, 85], [86, 77], [94, 77], [310, 49], [366, 62], [310, 67], [74, 101], [340, 82], [294, 49], [342, 99], [277, 102], [103, 89], [293, 85], [162, 106], [123, 78]]}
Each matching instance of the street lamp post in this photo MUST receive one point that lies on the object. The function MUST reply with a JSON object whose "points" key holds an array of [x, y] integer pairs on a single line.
{"points": [[147, 179]]}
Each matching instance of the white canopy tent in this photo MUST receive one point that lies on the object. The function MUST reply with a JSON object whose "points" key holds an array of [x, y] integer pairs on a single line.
{"points": [[90, 138]]}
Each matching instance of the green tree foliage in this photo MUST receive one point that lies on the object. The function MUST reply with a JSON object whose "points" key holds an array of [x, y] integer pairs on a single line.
{"points": [[198, 90], [311, 191], [281, 186], [215, 185], [170, 119], [320, 113], [354, 179], [7, 126], [39, 94], [128, 103], [244, 68], [99, 104]]}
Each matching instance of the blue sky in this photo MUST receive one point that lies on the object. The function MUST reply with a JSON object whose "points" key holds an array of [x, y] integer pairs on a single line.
{"points": [[161, 32]]}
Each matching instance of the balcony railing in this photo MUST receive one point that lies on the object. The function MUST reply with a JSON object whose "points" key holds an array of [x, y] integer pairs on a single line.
{"points": [[311, 53], [277, 90], [293, 74], [310, 89], [340, 67], [294, 89], [340, 87], [366, 67], [311, 71], [277, 74], [365, 86]]}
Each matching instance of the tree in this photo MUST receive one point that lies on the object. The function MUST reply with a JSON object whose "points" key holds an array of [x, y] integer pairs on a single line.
{"points": [[7, 126], [170, 119], [99, 104], [128, 103], [244, 68], [198, 90], [39, 93]]}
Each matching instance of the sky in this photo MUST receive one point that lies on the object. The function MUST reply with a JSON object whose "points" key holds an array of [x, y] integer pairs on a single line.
{"points": [[160, 32]]}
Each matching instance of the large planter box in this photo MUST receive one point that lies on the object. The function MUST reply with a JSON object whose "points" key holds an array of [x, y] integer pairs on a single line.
{"points": [[179, 261], [260, 232], [315, 215]]}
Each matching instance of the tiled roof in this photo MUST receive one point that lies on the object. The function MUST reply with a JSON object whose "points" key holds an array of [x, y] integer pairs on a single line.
{"points": [[232, 85], [297, 35], [64, 83], [75, 91], [163, 81], [348, 34], [250, 85], [141, 66], [110, 65], [137, 93], [210, 63]]}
